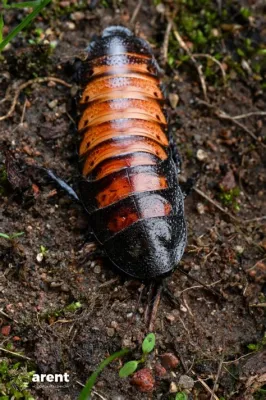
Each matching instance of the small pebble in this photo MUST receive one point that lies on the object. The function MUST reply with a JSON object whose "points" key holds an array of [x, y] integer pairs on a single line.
{"points": [[239, 249], [77, 16], [170, 317], [114, 324], [52, 104], [55, 284], [70, 25], [169, 360], [200, 208], [201, 155], [6, 330], [110, 332], [97, 269], [173, 388], [39, 257], [174, 100], [185, 382], [160, 8], [143, 380]]}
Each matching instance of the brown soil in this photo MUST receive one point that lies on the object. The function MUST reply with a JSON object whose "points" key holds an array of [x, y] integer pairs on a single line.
{"points": [[207, 332]]}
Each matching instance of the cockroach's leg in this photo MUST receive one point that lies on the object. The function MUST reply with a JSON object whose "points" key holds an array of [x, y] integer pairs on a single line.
{"points": [[155, 307], [68, 189], [149, 301], [153, 301], [189, 185], [174, 150]]}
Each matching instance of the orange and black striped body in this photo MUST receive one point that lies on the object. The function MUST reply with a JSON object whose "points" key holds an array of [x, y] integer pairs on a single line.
{"points": [[129, 187]]}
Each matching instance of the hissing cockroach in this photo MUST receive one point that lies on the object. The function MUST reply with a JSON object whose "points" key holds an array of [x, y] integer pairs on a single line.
{"points": [[130, 181]]}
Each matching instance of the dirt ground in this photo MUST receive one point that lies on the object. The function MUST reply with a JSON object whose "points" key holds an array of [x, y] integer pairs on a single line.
{"points": [[63, 308]]}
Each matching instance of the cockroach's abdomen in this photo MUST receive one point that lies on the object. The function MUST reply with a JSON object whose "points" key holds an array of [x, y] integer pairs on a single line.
{"points": [[130, 184]]}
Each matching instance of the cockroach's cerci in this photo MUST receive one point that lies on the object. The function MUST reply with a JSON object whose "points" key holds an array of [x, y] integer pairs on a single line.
{"points": [[130, 181]]}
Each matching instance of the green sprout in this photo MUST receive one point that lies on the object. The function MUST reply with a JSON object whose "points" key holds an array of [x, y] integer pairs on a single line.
{"points": [[86, 391], [12, 236], [147, 346], [43, 250], [70, 308], [258, 346], [229, 198], [37, 7], [128, 369]]}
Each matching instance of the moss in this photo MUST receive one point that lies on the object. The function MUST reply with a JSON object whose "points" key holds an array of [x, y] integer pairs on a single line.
{"points": [[14, 381], [227, 35], [229, 198]]}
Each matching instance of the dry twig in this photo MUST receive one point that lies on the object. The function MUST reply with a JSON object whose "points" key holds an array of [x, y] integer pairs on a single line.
{"points": [[223, 115], [26, 84], [250, 114], [166, 42], [193, 59], [15, 354], [136, 11], [204, 384], [199, 287], [205, 196], [217, 376], [215, 61]]}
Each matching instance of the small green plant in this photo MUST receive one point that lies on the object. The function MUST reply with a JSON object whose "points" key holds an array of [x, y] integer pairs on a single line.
{"points": [[14, 381], [37, 7], [86, 391], [229, 198], [12, 236], [43, 250], [258, 346], [181, 396], [71, 308], [147, 346], [128, 369]]}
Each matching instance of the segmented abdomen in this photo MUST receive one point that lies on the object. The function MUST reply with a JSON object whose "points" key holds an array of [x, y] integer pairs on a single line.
{"points": [[124, 147]]}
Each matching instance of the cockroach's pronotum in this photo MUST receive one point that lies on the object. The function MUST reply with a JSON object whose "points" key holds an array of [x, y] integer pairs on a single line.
{"points": [[130, 181]]}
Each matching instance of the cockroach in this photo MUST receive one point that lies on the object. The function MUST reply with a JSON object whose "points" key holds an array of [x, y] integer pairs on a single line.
{"points": [[129, 180]]}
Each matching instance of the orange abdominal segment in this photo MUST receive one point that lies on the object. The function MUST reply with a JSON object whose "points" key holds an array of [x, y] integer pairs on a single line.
{"points": [[131, 83], [123, 106], [122, 218], [121, 147], [122, 187], [123, 125], [116, 164]]}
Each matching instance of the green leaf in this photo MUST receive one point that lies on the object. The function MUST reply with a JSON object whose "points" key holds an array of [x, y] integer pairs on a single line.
{"points": [[1, 27], [25, 22], [4, 235], [181, 396], [86, 391], [17, 234], [253, 346], [73, 306], [24, 4], [128, 369], [148, 343]]}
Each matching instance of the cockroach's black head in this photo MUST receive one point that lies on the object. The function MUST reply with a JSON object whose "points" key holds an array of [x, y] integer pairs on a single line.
{"points": [[149, 248]]}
